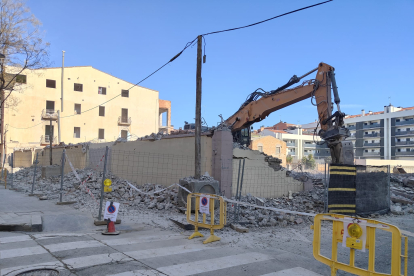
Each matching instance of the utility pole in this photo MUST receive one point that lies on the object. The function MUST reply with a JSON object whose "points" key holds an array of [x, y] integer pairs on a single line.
{"points": [[197, 164], [50, 140], [2, 126], [59, 138], [61, 82]]}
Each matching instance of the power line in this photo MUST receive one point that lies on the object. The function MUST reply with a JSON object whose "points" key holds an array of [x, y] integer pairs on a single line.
{"points": [[260, 22], [185, 47], [26, 127]]}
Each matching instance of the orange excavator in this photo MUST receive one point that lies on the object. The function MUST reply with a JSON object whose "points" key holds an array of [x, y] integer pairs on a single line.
{"points": [[260, 104]]}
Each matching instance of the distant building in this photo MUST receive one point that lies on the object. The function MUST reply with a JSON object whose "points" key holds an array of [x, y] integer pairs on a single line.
{"points": [[387, 134], [90, 111], [270, 146]]}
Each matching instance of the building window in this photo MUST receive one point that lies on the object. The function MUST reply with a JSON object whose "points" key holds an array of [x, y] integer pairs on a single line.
{"points": [[397, 120], [398, 150], [372, 150], [366, 150], [407, 129], [51, 83], [102, 111], [21, 79], [408, 139], [77, 109], [76, 132], [125, 93], [277, 150], [101, 133], [398, 130], [124, 117], [124, 134], [366, 132], [365, 124], [50, 107], [78, 87], [398, 140], [102, 90], [260, 148]]}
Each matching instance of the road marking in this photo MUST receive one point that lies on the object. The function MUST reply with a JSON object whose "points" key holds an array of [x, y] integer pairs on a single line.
{"points": [[195, 268], [143, 239], [296, 271], [138, 273], [15, 239], [73, 245], [19, 252], [57, 235], [92, 260], [165, 251], [16, 269]]}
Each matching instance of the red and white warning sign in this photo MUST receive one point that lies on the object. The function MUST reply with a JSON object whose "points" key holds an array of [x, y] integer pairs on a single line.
{"points": [[111, 210], [204, 205]]}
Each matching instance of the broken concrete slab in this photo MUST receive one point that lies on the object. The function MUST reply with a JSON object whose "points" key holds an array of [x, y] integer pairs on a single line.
{"points": [[239, 228], [49, 171], [17, 222]]}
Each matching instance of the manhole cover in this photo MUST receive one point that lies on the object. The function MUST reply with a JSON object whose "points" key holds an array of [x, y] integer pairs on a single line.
{"points": [[40, 272]]}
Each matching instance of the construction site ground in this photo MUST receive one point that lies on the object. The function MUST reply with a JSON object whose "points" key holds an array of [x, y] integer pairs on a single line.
{"points": [[153, 245]]}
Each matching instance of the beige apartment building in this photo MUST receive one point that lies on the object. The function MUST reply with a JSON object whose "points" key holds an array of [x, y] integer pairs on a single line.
{"points": [[97, 107]]}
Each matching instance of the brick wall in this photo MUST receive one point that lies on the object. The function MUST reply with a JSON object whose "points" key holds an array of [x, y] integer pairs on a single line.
{"points": [[269, 144]]}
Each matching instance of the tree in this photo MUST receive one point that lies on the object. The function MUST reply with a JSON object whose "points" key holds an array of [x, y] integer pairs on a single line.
{"points": [[289, 159], [309, 162], [22, 45]]}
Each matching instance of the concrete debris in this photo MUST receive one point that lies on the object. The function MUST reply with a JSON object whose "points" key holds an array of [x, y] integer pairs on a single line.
{"points": [[240, 146], [402, 193]]}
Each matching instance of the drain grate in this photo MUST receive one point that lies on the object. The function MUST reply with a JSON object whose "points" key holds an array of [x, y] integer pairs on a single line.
{"points": [[40, 272]]}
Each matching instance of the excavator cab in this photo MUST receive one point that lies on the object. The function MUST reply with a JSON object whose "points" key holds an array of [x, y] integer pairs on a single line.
{"points": [[242, 136]]}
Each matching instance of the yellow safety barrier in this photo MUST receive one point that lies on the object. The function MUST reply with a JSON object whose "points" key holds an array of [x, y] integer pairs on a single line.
{"points": [[355, 239], [222, 221]]}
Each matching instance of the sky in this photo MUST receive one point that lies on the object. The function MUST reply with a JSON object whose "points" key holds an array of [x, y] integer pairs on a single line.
{"points": [[370, 43]]}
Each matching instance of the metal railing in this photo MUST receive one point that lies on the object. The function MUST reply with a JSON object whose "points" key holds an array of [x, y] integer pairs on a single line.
{"points": [[371, 144], [371, 135], [405, 132], [376, 125], [371, 153], [352, 137], [290, 144], [309, 145], [409, 153], [403, 143], [49, 114], [351, 127], [124, 121], [403, 123], [45, 139]]}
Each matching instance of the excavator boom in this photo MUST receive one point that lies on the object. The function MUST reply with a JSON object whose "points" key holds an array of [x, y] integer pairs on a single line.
{"points": [[318, 89]]}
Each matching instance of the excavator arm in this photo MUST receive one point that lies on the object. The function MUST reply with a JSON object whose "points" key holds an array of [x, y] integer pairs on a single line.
{"points": [[255, 109]]}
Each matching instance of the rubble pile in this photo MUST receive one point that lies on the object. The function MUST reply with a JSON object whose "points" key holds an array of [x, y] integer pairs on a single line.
{"points": [[49, 188], [402, 193], [306, 201]]}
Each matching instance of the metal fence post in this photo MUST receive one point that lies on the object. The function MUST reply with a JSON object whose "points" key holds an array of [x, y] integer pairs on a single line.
{"points": [[237, 193], [241, 186], [34, 174], [2, 167], [62, 172], [102, 185], [11, 175], [389, 184]]}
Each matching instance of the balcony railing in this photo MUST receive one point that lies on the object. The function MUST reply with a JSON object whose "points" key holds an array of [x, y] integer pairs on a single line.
{"points": [[45, 139], [313, 146], [48, 114], [351, 127], [323, 153], [290, 144], [124, 121], [371, 135], [409, 153], [405, 132], [404, 123], [351, 137], [371, 153], [376, 125], [371, 144], [404, 143]]}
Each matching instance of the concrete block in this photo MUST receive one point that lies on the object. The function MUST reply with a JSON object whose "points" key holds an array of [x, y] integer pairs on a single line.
{"points": [[239, 228], [37, 225], [209, 186], [49, 171]]}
